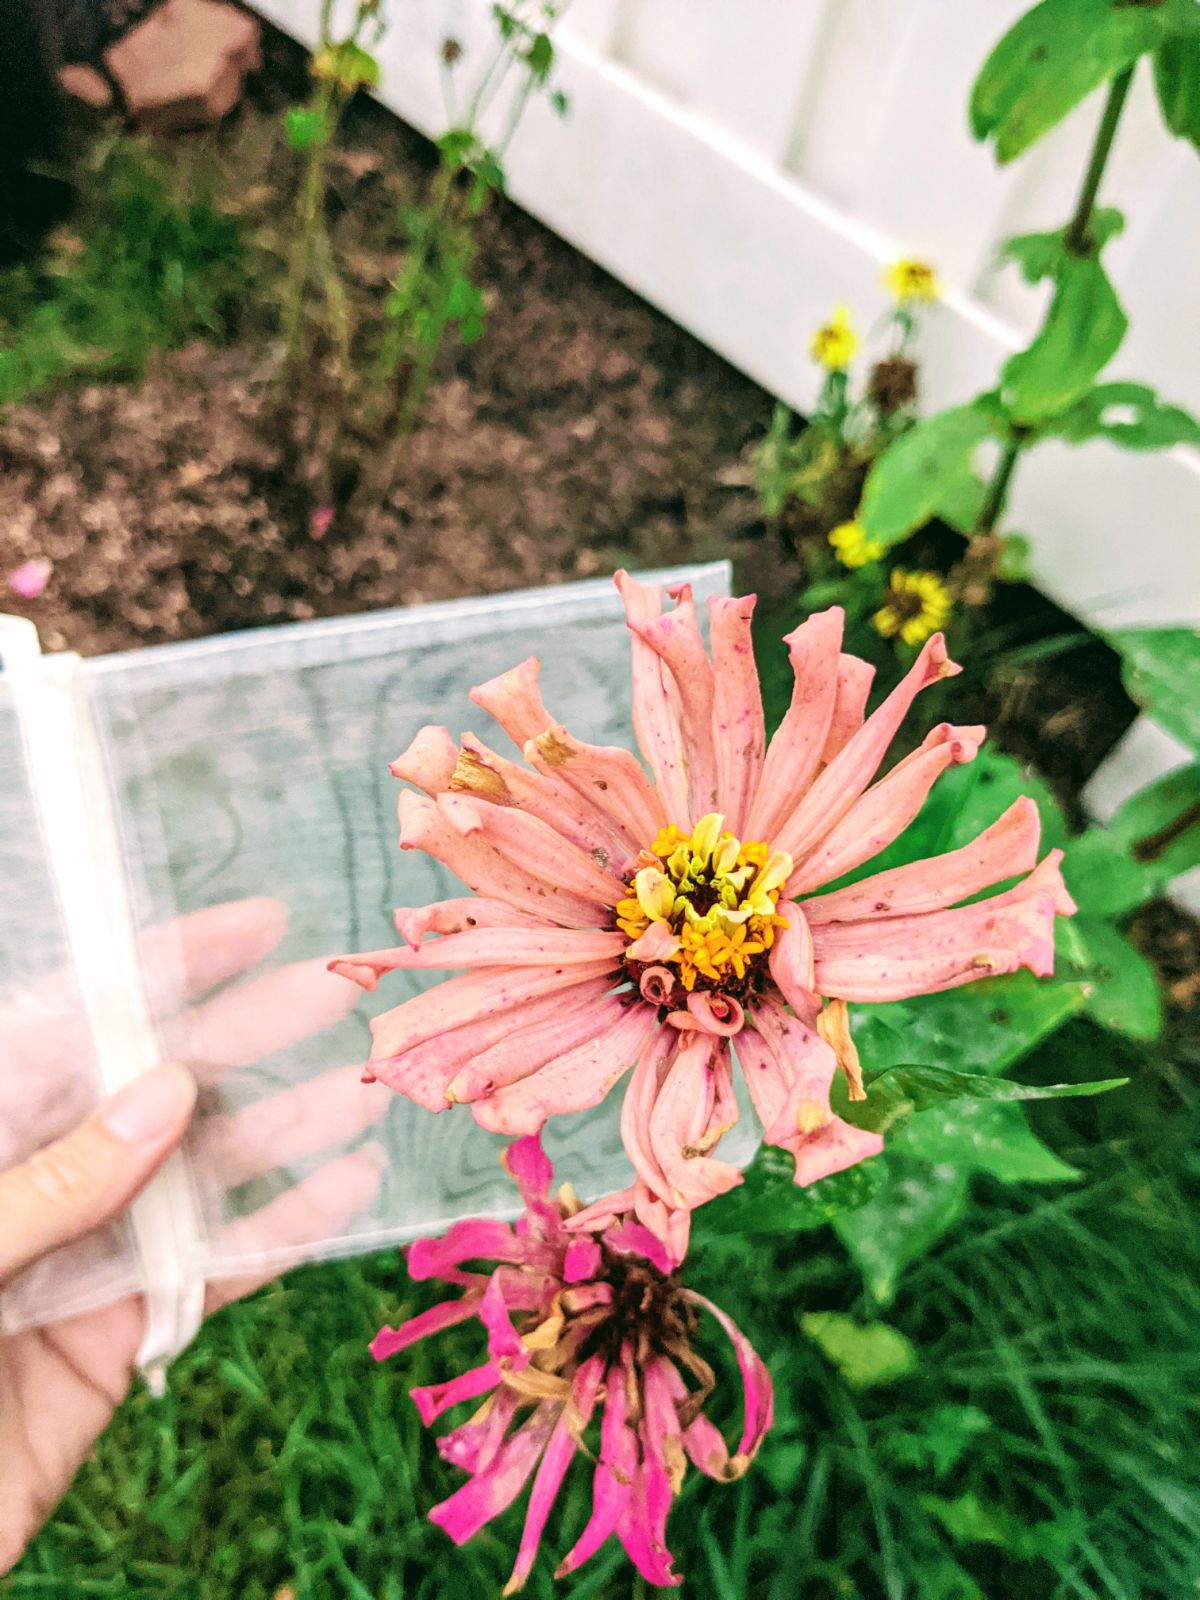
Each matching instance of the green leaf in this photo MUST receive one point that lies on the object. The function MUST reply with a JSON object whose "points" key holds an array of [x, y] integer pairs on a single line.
{"points": [[982, 1136], [539, 58], [304, 129], [348, 65], [866, 1354], [770, 1201], [923, 468], [1104, 879], [1082, 332], [1129, 414], [1177, 80], [910, 1211], [1041, 255], [1160, 826], [1162, 673], [1053, 57], [939, 1440], [1122, 985], [896, 1093], [966, 1519], [962, 502]]}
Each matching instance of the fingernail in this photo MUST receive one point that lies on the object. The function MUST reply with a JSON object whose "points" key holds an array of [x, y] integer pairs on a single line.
{"points": [[157, 1103]]}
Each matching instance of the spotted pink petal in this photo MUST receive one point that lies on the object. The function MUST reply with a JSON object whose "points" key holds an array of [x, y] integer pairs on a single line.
{"points": [[675, 638], [575, 1081], [839, 784], [894, 958], [656, 706], [425, 826], [795, 750], [854, 680], [546, 794], [605, 777], [534, 849], [739, 731], [456, 916], [1004, 850], [540, 1037], [886, 809], [495, 947]]}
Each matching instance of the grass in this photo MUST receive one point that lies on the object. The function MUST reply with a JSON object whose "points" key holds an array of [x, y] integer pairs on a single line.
{"points": [[146, 264], [1043, 1444]]}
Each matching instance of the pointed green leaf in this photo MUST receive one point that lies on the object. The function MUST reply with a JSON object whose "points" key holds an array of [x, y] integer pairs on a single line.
{"points": [[1122, 986], [910, 1211], [1082, 332], [923, 468], [1177, 80], [896, 1093], [1162, 673], [982, 1136], [770, 1201], [1054, 55]]}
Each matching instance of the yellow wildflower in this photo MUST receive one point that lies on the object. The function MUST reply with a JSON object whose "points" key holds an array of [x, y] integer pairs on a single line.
{"points": [[853, 545], [909, 280], [917, 605], [834, 344]]}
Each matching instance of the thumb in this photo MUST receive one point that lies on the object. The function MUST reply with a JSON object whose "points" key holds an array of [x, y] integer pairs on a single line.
{"points": [[83, 1179]]}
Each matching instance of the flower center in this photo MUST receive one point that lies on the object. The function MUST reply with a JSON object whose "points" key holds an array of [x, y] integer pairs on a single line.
{"points": [[703, 904]]}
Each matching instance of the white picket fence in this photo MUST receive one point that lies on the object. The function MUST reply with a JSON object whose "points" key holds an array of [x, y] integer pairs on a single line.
{"points": [[747, 164]]}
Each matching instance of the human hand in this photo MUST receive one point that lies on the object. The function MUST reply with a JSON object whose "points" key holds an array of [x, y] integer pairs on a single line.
{"points": [[59, 1385]]}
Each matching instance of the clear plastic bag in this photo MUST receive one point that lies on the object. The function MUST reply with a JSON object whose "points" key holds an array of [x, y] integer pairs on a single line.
{"points": [[254, 765]]}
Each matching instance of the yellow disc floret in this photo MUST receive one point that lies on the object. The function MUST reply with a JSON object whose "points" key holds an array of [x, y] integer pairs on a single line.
{"points": [[714, 898]]}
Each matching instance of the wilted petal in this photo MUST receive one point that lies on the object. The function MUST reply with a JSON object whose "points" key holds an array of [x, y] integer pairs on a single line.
{"points": [[1002, 851], [473, 1446], [432, 1399], [494, 1489], [682, 1123], [471, 1239], [886, 809], [796, 747], [582, 1261], [614, 1469], [503, 1338], [739, 732], [758, 1390], [839, 784], [390, 1341], [553, 1467]]}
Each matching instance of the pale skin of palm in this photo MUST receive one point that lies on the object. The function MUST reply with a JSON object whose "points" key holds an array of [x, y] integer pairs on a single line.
{"points": [[61, 1384]]}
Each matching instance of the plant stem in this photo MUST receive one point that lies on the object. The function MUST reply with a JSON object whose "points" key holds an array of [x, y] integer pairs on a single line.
{"points": [[997, 494], [1076, 237]]}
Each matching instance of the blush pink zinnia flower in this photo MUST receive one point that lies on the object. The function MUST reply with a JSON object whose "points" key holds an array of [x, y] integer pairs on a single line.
{"points": [[650, 922], [586, 1334]]}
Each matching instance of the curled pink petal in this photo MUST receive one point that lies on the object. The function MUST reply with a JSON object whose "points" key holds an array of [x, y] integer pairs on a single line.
{"points": [[429, 761], [515, 700], [657, 944], [657, 984], [796, 747], [656, 708], [675, 638]]}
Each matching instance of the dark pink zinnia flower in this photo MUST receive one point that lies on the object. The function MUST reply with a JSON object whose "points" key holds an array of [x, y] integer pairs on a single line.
{"points": [[584, 1332]]}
